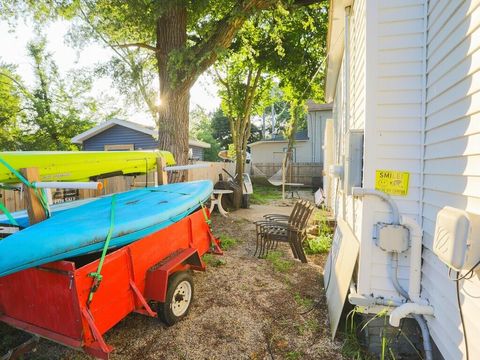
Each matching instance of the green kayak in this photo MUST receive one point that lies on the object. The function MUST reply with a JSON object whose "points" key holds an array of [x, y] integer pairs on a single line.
{"points": [[80, 165]]}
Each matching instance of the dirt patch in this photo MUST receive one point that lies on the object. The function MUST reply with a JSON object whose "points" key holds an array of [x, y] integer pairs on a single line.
{"points": [[244, 308]]}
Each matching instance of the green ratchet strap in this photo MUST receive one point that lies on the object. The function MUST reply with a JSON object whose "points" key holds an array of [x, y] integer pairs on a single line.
{"points": [[207, 220], [40, 193], [8, 215], [97, 276]]}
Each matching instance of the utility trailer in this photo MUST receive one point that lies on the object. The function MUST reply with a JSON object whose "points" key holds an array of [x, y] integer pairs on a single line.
{"points": [[50, 301]]}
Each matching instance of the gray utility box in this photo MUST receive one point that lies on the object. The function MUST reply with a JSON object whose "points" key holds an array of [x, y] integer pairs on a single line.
{"points": [[392, 238]]}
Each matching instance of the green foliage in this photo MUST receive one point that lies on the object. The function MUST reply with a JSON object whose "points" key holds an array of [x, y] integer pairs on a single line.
{"points": [[318, 245], [202, 129], [322, 242], [265, 194], [303, 301], [213, 260], [293, 355], [10, 107], [352, 348], [227, 242], [47, 116], [278, 261]]}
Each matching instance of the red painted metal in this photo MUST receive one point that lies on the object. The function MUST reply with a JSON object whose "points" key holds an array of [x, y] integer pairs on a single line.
{"points": [[51, 300]]}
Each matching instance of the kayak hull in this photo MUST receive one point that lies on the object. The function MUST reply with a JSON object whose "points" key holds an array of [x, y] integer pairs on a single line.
{"points": [[83, 229]]}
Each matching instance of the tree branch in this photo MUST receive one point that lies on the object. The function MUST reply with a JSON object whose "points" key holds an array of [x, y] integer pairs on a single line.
{"points": [[138, 45], [223, 35]]}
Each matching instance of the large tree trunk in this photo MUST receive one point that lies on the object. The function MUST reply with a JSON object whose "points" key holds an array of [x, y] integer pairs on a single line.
{"points": [[173, 114]]}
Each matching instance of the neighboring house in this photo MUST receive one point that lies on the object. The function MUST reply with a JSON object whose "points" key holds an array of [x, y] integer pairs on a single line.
{"points": [[116, 134], [308, 143], [405, 82]]}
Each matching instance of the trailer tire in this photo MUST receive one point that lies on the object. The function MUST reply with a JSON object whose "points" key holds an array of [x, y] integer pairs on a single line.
{"points": [[178, 300]]}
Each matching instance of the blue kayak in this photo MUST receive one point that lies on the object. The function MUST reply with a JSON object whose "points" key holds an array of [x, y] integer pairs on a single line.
{"points": [[83, 229], [21, 216]]}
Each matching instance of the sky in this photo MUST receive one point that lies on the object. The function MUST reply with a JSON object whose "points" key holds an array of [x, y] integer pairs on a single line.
{"points": [[13, 51]]}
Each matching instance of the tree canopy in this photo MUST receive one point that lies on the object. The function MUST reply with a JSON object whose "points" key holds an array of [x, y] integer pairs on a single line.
{"points": [[176, 39], [48, 114]]}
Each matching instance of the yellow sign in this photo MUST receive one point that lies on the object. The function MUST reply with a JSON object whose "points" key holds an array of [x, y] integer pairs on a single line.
{"points": [[392, 182]]}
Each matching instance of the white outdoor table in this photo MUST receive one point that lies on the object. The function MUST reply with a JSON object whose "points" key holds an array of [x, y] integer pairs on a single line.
{"points": [[293, 188], [216, 199]]}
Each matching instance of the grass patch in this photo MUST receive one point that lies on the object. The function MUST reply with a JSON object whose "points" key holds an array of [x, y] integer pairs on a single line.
{"points": [[293, 355], [227, 242], [279, 263], [303, 302], [310, 325], [213, 260], [264, 194]]}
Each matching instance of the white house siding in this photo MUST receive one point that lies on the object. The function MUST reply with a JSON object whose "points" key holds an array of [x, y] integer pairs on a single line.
{"points": [[393, 127], [452, 160], [345, 206], [272, 151]]}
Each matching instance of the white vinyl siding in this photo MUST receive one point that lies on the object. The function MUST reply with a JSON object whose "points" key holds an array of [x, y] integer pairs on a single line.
{"points": [[393, 127], [452, 161]]}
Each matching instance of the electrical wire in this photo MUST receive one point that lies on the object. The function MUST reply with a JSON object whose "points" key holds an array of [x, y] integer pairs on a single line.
{"points": [[468, 275], [461, 312]]}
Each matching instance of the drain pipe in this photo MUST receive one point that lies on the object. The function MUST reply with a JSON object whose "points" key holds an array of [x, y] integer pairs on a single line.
{"points": [[413, 308]]}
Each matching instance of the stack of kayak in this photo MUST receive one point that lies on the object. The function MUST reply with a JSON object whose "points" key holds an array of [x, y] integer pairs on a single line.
{"points": [[81, 227]]}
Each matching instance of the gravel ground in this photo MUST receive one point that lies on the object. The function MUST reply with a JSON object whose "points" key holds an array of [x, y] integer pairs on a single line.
{"points": [[244, 308]]}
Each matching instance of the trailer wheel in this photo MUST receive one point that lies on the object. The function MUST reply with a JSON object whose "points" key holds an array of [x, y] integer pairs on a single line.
{"points": [[178, 300]]}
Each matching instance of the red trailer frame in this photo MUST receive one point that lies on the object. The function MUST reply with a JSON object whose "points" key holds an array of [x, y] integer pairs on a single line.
{"points": [[51, 300]]}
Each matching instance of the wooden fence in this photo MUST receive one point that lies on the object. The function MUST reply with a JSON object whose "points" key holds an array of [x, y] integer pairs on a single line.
{"points": [[308, 174], [15, 201]]}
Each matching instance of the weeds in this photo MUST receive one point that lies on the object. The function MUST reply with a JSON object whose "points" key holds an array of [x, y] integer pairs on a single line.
{"points": [[352, 347], [293, 355], [279, 263], [310, 325], [213, 260], [227, 242], [303, 302], [320, 244]]}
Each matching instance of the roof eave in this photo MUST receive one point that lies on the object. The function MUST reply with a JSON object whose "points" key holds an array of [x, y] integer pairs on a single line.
{"points": [[335, 45]]}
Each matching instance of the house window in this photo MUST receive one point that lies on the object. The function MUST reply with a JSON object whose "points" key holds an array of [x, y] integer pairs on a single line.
{"points": [[119, 147]]}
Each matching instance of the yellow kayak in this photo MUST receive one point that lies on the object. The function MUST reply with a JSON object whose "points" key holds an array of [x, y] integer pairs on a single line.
{"points": [[79, 165]]}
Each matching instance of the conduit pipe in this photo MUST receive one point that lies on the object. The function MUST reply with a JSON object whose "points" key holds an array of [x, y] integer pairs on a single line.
{"points": [[362, 192], [415, 276]]}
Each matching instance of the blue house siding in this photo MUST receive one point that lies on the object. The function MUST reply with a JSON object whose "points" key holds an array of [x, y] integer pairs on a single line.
{"points": [[120, 135]]}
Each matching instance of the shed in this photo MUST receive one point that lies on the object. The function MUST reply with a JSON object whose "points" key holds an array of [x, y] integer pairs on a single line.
{"points": [[116, 134], [404, 80]]}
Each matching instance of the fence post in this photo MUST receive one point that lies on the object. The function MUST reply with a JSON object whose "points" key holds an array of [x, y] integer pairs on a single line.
{"points": [[162, 174]]}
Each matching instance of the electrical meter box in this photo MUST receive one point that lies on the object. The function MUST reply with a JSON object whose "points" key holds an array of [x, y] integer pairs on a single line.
{"points": [[353, 160], [457, 238]]}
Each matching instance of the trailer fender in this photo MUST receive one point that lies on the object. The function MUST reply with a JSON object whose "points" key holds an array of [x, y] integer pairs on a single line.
{"points": [[157, 276]]}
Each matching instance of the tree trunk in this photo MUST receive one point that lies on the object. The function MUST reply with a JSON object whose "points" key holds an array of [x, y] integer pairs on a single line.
{"points": [[173, 114]]}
